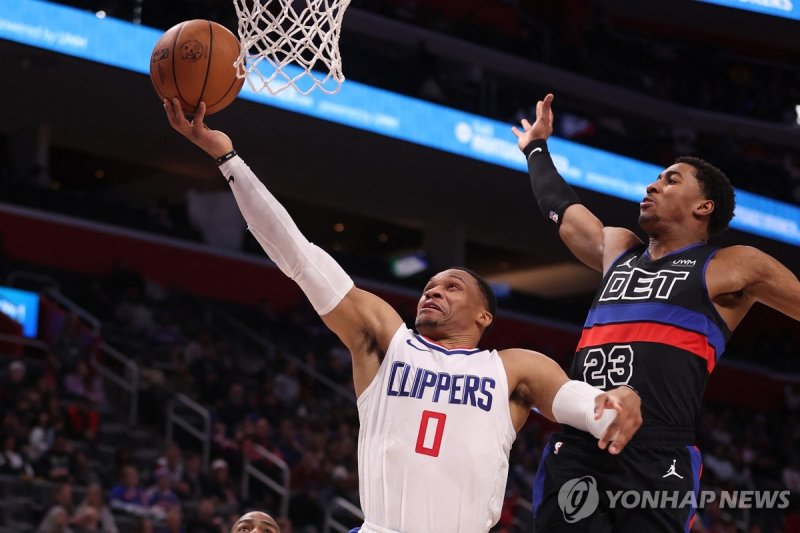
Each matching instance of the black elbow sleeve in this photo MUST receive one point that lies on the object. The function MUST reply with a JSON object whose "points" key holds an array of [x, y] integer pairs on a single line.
{"points": [[552, 193]]}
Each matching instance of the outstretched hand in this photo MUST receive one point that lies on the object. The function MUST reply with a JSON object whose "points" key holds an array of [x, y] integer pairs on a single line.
{"points": [[541, 129], [214, 142], [628, 406]]}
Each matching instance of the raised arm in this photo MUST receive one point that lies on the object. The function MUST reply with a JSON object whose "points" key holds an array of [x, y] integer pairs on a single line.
{"points": [[537, 381], [582, 232], [363, 322], [740, 276]]}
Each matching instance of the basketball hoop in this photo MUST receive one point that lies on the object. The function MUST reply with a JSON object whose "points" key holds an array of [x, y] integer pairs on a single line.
{"points": [[283, 41]]}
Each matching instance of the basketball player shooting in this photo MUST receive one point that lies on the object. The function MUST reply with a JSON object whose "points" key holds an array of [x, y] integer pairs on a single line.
{"points": [[659, 323], [437, 415]]}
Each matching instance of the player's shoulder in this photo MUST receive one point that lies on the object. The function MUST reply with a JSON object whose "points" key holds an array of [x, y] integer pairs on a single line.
{"points": [[514, 353], [522, 358], [745, 262], [617, 241], [739, 255], [621, 238]]}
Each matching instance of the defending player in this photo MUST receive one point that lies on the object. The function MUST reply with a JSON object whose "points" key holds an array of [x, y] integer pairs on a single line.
{"points": [[659, 323], [255, 522], [438, 415]]}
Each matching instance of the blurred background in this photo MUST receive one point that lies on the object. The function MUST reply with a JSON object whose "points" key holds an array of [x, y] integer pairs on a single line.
{"points": [[158, 372]]}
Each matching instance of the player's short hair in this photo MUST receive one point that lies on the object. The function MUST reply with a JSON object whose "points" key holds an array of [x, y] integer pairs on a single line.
{"points": [[717, 188], [488, 294]]}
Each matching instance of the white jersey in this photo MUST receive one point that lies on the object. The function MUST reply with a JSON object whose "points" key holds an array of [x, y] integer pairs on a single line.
{"points": [[434, 439]]}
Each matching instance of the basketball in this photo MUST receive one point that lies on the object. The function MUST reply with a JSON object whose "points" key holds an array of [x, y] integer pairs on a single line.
{"points": [[193, 61]]}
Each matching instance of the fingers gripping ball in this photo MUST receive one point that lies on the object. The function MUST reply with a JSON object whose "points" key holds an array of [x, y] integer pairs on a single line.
{"points": [[193, 61]]}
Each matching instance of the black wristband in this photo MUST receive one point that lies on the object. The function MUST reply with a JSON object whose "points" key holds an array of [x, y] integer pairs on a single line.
{"points": [[541, 144], [552, 193], [227, 157]]}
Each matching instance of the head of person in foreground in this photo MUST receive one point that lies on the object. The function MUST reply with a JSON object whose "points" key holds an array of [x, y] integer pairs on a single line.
{"points": [[456, 304], [255, 522]]}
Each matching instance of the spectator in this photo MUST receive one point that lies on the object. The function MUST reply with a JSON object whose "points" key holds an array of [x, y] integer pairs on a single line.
{"points": [[224, 445], [260, 436], [12, 462], [222, 488], [55, 521], [205, 521], [122, 457], [12, 426], [339, 366], [41, 437], [127, 495], [172, 464], [160, 498], [46, 388], [718, 464], [173, 522], [94, 514], [290, 444], [307, 474], [56, 464], [134, 313], [15, 384], [28, 407], [84, 473], [70, 346], [83, 382], [232, 410], [83, 420], [193, 481], [287, 387], [59, 517]]}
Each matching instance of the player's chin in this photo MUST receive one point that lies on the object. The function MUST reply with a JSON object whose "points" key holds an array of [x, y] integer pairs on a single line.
{"points": [[425, 324], [647, 220]]}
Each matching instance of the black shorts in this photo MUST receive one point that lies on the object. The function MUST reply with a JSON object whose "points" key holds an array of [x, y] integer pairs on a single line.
{"points": [[580, 487]]}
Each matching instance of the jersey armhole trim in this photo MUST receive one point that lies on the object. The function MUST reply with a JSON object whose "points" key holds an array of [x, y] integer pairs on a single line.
{"points": [[502, 366], [727, 332], [402, 330]]}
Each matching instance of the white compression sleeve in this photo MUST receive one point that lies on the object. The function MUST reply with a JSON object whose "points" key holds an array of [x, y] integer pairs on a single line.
{"points": [[574, 405], [321, 278]]}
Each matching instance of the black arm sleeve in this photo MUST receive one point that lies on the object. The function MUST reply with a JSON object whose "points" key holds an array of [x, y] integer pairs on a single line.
{"points": [[552, 193]]}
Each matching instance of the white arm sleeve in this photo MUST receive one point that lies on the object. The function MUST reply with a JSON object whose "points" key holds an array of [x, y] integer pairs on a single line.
{"points": [[574, 405], [321, 278]]}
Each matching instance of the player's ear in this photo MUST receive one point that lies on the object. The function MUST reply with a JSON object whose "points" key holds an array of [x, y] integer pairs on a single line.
{"points": [[485, 318], [705, 208]]}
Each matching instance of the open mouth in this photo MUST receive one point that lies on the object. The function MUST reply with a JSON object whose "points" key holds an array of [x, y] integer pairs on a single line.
{"points": [[646, 202], [431, 305]]}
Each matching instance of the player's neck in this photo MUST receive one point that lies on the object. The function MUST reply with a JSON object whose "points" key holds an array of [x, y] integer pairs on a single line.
{"points": [[454, 342], [665, 244]]}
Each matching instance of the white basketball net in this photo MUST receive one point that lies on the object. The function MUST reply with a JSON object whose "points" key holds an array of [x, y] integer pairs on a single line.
{"points": [[275, 34]]}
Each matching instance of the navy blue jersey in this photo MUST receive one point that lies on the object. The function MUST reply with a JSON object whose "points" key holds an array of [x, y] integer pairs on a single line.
{"points": [[653, 326]]}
